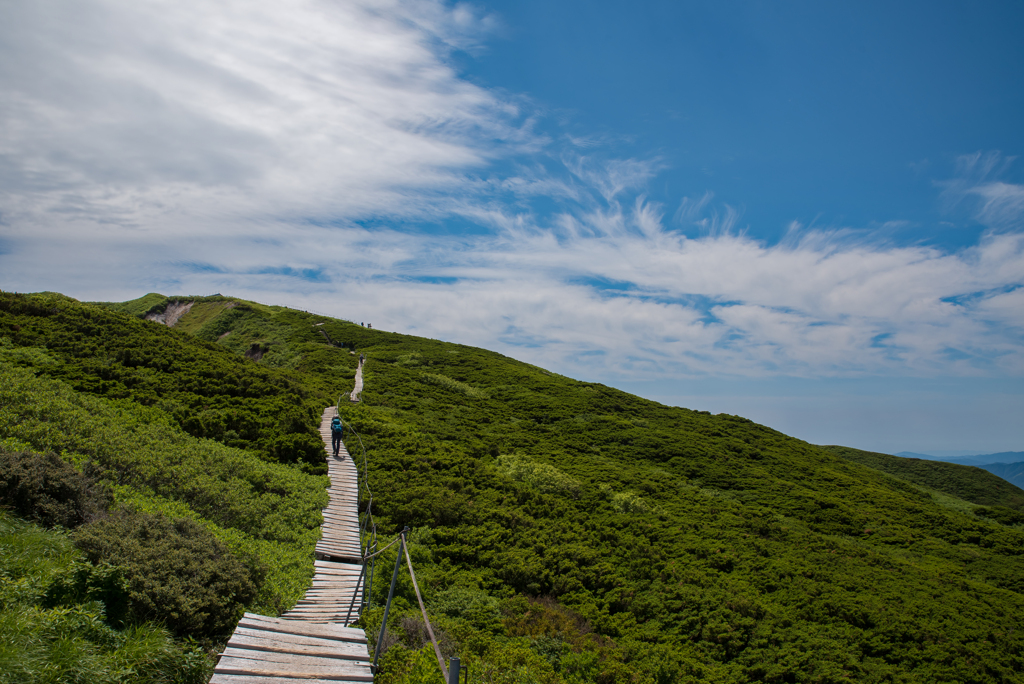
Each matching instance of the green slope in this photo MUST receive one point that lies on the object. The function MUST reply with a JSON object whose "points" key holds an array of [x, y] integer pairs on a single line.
{"points": [[569, 532], [969, 483]]}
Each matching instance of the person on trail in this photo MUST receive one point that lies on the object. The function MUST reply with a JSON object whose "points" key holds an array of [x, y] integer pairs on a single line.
{"points": [[336, 431]]}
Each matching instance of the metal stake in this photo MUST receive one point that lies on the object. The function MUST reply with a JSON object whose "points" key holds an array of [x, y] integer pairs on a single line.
{"points": [[348, 616], [453, 671]]}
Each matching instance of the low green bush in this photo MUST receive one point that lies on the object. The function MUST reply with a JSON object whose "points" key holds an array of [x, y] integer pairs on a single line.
{"points": [[47, 641], [177, 573], [48, 490], [543, 477], [1002, 514]]}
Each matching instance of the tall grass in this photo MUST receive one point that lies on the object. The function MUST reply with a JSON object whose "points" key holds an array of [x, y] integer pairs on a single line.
{"points": [[47, 644]]}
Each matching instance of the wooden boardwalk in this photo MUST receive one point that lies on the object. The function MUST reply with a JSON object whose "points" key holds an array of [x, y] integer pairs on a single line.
{"points": [[358, 388], [312, 642]]}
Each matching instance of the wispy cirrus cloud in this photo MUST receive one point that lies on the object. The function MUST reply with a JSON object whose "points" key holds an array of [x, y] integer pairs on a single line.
{"points": [[995, 203]]}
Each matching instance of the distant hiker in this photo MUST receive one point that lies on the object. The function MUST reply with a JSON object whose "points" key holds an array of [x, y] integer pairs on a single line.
{"points": [[336, 431]]}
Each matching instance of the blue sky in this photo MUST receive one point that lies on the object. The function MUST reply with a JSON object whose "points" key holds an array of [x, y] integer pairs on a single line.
{"points": [[810, 214], [825, 113]]}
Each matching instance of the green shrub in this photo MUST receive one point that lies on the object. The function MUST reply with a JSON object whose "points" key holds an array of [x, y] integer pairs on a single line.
{"points": [[628, 502], [474, 606], [47, 642], [449, 384], [46, 489], [1002, 514], [177, 572], [541, 476]]}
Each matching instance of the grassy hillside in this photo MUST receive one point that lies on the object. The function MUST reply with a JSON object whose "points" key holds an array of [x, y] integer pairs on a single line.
{"points": [[969, 483], [563, 531]]}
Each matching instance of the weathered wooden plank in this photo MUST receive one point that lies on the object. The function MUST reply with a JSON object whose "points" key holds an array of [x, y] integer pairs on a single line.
{"points": [[338, 551], [342, 512], [248, 643], [245, 637], [282, 664], [323, 566], [222, 678], [308, 669], [340, 542], [281, 625], [341, 536]]}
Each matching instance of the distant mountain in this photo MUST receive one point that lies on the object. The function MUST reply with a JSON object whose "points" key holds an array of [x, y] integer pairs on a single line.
{"points": [[1003, 457], [979, 460], [1009, 465]]}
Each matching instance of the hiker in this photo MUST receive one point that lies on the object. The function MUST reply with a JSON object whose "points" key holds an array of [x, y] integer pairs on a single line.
{"points": [[336, 431]]}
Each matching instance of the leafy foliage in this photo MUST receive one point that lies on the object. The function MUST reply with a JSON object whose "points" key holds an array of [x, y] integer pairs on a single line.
{"points": [[48, 490], [41, 643], [177, 572]]}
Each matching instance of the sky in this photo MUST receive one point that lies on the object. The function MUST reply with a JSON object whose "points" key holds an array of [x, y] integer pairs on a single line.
{"points": [[809, 214]]}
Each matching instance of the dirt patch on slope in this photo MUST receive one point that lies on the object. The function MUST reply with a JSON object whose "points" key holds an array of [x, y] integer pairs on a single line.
{"points": [[171, 314], [255, 352]]}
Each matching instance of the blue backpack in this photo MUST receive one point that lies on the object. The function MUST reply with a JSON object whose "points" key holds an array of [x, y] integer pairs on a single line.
{"points": [[336, 427]]}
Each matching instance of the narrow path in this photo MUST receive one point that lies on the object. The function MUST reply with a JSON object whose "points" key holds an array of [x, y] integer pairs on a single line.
{"points": [[311, 642], [359, 380]]}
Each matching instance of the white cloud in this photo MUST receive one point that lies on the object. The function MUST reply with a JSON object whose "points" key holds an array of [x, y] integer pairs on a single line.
{"points": [[997, 204], [191, 147], [132, 111]]}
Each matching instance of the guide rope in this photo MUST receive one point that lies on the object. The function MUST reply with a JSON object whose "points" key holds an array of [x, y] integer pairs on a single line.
{"points": [[426, 620]]}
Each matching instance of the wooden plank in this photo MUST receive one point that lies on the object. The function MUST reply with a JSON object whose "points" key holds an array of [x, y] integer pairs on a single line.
{"points": [[280, 663], [281, 625], [324, 566], [350, 548], [222, 678], [246, 637], [302, 670], [248, 643]]}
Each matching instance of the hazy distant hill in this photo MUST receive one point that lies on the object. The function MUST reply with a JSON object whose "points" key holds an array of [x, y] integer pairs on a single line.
{"points": [[564, 531], [979, 460]]}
